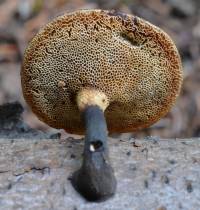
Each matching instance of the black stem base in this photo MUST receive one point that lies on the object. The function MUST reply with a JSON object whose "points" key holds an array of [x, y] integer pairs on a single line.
{"points": [[95, 179]]}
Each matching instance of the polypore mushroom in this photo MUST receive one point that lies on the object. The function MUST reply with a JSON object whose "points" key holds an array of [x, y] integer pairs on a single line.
{"points": [[92, 63]]}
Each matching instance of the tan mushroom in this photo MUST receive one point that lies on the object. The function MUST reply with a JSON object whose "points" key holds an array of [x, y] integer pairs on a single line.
{"points": [[92, 63]]}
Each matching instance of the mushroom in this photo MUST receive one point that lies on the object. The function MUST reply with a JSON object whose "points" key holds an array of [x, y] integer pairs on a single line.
{"points": [[90, 67]]}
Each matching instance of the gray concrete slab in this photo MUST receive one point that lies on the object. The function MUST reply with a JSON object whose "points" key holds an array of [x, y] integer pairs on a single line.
{"points": [[152, 174]]}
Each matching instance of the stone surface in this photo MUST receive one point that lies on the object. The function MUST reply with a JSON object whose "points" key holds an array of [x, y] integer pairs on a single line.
{"points": [[152, 174]]}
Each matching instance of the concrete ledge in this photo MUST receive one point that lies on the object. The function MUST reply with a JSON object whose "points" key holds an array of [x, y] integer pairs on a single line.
{"points": [[152, 174]]}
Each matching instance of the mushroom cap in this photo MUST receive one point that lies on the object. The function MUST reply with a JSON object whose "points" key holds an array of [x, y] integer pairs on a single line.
{"points": [[134, 63]]}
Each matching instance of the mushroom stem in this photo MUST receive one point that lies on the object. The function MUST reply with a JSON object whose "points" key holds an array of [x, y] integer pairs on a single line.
{"points": [[95, 179]]}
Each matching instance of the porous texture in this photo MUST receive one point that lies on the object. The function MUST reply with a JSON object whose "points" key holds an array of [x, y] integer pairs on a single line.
{"points": [[133, 62]]}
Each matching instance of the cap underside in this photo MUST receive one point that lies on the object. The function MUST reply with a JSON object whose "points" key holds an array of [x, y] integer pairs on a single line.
{"points": [[133, 62]]}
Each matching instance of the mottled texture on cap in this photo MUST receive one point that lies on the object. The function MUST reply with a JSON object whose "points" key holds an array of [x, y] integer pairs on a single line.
{"points": [[134, 63]]}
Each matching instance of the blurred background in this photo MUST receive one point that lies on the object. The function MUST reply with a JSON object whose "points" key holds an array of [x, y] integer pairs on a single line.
{"points": [[21, 19]]}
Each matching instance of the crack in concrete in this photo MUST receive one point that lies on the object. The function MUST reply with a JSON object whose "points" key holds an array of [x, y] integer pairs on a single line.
{"points": [[2, 172], [43, 170]]}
